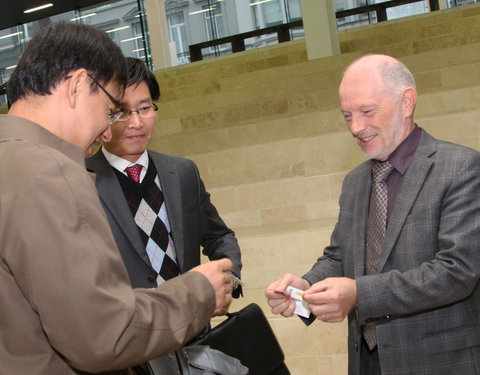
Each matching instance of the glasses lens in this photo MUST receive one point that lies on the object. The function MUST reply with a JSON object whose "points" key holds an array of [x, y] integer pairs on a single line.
{"points": [[115, 115]]}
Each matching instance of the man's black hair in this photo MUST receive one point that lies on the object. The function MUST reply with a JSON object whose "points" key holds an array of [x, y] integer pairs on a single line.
{"points": [[139, 72], [60, 48]]}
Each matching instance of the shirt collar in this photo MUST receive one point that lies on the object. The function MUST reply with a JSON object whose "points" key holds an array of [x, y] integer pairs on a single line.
{"points": [[401, 158], [120, 163]]}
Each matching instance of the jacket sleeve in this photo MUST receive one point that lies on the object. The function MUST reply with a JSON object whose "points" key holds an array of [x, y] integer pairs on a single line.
{"points": [[68, 267], [218, 240]]}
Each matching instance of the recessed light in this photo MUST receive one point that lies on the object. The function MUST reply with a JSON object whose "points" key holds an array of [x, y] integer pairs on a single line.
{"points": [[40, 7]]}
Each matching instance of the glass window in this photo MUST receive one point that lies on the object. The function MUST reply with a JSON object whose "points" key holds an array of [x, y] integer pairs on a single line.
{"points": [[371, 17], [124, 21], [177, 33], [213, 19], [455, 3]]}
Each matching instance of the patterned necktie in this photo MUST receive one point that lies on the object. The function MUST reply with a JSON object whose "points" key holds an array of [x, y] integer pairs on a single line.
{"points": [[134, 172], [377, 225]]}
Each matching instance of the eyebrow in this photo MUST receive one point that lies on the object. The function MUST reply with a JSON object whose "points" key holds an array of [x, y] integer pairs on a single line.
{"points": [[146, 100]]}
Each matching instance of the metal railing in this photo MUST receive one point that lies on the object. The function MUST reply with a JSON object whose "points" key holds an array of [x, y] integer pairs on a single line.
{"points": [[283, 31], [238, 40]]}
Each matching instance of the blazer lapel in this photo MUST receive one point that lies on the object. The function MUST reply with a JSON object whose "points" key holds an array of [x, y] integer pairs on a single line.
{"points": [[171, 189], [113, 198], [412, 182], [360, 217]]}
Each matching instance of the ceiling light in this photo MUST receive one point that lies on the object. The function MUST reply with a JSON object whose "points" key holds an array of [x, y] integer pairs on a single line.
{"points": [[117, 29], [9, 35], [129, 39], [40, 7], [201, 11], [85, 16], [259, 2]]}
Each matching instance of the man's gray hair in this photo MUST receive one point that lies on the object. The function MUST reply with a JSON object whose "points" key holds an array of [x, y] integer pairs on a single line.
{"points": [[396, 77]]}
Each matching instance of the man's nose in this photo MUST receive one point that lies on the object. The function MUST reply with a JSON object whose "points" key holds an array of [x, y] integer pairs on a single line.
{"points": [[357, 124], [135, 121]]}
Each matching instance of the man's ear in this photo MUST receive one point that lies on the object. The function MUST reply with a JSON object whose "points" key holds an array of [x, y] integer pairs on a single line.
{"points": [[409, 101], [76, 83], [106, 136]]}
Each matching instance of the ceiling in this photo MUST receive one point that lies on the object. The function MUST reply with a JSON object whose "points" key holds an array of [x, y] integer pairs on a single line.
{"points": [[12, 10]]}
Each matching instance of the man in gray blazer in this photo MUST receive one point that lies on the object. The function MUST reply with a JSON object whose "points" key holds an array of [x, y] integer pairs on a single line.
{"points": [[190, 219], [422, 302]]}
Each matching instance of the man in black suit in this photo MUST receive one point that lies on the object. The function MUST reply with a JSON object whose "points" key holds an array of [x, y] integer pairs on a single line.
{"points": [[190, 220]]}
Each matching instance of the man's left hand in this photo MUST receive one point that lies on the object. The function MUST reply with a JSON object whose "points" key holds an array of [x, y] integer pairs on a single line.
{"points": [[331, 300]]}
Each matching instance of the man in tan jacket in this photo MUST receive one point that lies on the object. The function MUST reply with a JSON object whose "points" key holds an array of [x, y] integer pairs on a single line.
{"points": [[67, 304]]}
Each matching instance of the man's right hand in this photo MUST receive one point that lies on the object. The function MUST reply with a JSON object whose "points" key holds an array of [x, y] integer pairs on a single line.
{"points": [[218, 273], [278, 301]]}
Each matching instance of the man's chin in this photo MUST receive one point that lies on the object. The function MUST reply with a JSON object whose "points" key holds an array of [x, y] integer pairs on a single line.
{"points": [[375, 155]]}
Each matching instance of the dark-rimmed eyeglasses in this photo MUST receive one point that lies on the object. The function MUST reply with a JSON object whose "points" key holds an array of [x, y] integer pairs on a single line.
{"points": [[116, 113], [143, 112]]}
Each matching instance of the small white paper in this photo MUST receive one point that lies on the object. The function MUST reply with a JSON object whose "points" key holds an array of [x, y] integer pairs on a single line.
{"points": [[301, 307]]}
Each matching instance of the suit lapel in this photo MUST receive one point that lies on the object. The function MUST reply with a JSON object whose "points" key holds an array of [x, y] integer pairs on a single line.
{"points": [[113, 198], [171, 189], [360, 215], [412, 183]]}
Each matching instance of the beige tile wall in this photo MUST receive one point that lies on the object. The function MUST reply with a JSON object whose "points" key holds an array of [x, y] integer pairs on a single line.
{"points": [[265, 130]]}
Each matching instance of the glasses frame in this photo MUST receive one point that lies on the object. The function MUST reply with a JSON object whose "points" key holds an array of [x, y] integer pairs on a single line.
{"points": [[128, 112], [112, 117]]}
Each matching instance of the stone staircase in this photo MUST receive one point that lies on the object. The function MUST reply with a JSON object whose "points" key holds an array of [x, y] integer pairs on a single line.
{"points": [[265, 129]]}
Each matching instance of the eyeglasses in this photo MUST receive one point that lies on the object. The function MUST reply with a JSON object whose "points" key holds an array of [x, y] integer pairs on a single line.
{"points": [[116, 113], [143, 112]]}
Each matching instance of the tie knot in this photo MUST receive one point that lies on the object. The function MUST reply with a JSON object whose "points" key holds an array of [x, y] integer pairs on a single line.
{"points": [[381, 171], [134, 172]]}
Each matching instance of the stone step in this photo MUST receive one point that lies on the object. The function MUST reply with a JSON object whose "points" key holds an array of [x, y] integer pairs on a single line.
{"points": [[416, 34], [308, 144], [407, 36], [289, 102]]}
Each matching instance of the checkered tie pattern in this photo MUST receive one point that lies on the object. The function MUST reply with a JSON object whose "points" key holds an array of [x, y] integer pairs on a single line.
{"points": [[134, 172], [377, 225], [150, 215]]}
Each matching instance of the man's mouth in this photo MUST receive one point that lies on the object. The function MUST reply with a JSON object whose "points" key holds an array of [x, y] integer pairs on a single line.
{"points": [[366, 139]]}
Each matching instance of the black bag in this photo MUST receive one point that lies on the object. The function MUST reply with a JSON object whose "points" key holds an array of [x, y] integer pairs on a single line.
{"points": [[203, 360], [247, 336]]}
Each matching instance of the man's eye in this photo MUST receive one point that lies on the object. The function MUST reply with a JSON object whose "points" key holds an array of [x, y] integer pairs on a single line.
{"points": [[144, 109]]}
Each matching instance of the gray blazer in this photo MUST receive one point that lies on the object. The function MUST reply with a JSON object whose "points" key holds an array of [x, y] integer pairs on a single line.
{"points": [[193, 219], [426, 298]]}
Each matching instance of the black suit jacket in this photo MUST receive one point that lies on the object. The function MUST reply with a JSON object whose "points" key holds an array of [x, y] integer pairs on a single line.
{"points": [[194, 220]]}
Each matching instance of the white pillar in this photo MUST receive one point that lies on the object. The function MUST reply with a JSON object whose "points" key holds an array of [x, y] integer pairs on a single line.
{"points": [[157, 26], [320, 27]]}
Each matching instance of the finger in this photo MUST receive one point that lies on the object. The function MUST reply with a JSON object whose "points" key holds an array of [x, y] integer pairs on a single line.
{"points": [[284, 308], [225, 264], [290, 309], [319, 287], [276, 302]]}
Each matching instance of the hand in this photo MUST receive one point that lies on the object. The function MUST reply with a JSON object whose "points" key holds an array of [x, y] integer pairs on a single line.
{"points": [[279, 302], [218, 273], [332, 299]]}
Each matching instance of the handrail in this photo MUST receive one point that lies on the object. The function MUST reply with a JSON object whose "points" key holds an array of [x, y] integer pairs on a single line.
{"points": [[238, 40]]}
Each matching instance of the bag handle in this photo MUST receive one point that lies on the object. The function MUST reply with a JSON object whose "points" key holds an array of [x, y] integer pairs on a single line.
{"points": [[182, 362]]}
